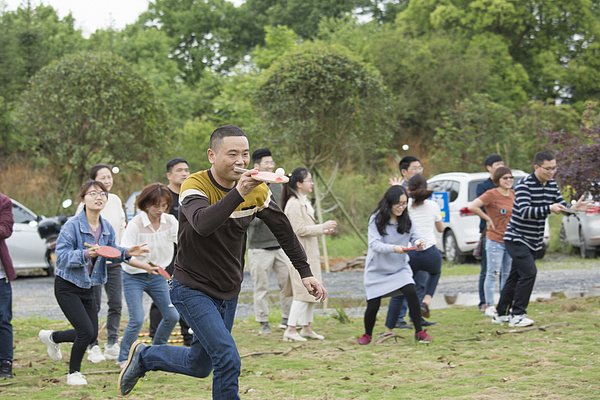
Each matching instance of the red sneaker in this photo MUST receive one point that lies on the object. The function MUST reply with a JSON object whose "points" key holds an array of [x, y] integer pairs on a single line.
{"points": [[364, 339], [423, 337]]}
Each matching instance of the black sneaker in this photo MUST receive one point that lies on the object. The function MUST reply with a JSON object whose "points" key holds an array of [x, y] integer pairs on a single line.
{"points": [[402, 325], [133, 370], [6, 369], [428, 323]]}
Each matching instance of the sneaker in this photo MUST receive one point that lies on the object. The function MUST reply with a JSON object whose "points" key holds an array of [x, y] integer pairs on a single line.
{"points": [[95, 354], [490, 311], [6, 369], [423, 337], [53, 348], [75, 379], [111, 351], [364, 339], [133, 369], [500, 319], [265, 329], [428, 323], [122, 364], [520, 320], [401, 324], [424, 310]]}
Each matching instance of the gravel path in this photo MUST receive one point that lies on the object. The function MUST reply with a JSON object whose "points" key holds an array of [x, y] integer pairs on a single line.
{"points": [[34, 295]]}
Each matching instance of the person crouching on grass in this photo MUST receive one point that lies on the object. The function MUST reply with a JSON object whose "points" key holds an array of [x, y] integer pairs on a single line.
{"points": [[78, 268], [387, 272]]}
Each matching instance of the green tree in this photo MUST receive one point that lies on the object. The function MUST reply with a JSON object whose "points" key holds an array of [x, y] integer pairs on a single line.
{"points": [[211, 34], [30, 38], [321, 103], [91, 107], [543, 36], [478, 126], [302, 16]]}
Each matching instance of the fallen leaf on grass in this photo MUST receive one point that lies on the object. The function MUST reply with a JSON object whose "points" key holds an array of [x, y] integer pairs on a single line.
{"points": [[451, 365], [345, 378]]}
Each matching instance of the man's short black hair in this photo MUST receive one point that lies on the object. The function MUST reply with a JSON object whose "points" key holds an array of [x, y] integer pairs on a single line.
{"points": [[491, 159], [174, 161], [542, 156], [258, 155], [224, 131], [406, 161]]}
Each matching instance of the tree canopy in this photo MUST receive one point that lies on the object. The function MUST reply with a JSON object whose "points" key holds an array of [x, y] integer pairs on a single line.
{"points": [[91, 107], [322, 103]]}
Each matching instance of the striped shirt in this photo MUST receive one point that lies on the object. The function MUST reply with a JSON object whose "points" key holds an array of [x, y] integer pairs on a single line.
{"points": [[530, 210]]}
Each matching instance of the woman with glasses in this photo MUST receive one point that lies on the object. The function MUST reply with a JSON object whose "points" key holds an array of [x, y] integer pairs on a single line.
{"points": [[114, 214], [301, 214], [78, 269], [387, 272], [498, 203]]}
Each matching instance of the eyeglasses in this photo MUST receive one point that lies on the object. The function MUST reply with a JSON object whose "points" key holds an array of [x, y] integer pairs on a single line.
{"points": [[415, 169], [401, 204], [550, 169], [308, 181], [94, 194], [507, 177]]}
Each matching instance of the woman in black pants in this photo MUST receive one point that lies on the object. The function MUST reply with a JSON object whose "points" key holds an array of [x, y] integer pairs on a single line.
{"points": [[78, 268]]}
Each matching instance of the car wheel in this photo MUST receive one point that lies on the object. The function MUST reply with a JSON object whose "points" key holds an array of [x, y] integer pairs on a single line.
{"points": [[451, 249], [584, 250]]}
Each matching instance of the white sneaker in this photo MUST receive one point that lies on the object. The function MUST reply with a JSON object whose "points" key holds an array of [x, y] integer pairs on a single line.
{"points": [[500, 319], [53, 348], [111, 351], [95, 355], [520, 320], [76, 379], [490, 311]]}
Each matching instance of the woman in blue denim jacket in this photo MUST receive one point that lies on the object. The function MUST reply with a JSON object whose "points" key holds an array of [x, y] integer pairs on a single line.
{"points": [[78, 268]]}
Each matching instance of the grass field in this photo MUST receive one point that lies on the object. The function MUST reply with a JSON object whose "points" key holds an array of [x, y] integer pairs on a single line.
{"points": [[468, 360]]}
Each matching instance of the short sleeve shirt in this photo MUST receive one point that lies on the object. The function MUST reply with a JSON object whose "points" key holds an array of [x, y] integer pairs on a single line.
{"points": [[499, 208]]}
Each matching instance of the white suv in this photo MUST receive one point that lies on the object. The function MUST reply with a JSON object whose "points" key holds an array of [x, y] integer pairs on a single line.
{"points": [[462, 232]]}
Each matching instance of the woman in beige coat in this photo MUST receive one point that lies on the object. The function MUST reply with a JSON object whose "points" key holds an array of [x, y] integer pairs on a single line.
{"points": [[302, 217]]}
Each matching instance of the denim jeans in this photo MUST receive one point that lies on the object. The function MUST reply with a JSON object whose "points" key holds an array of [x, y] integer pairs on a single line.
{"points": [[114, 294], [519, 285], [134, 286], [6, 332], [213, 346], [427, 269], [498, 263], [482, 275]]}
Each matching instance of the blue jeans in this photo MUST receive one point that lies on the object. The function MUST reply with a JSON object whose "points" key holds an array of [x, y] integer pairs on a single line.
{"points": [[6, 332], [498, 263], [427, 269], [213, 346], [134, 286], [482, 275]]}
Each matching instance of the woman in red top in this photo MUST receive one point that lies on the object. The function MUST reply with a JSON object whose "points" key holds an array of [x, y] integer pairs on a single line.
{"points": [[498, 203]]}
